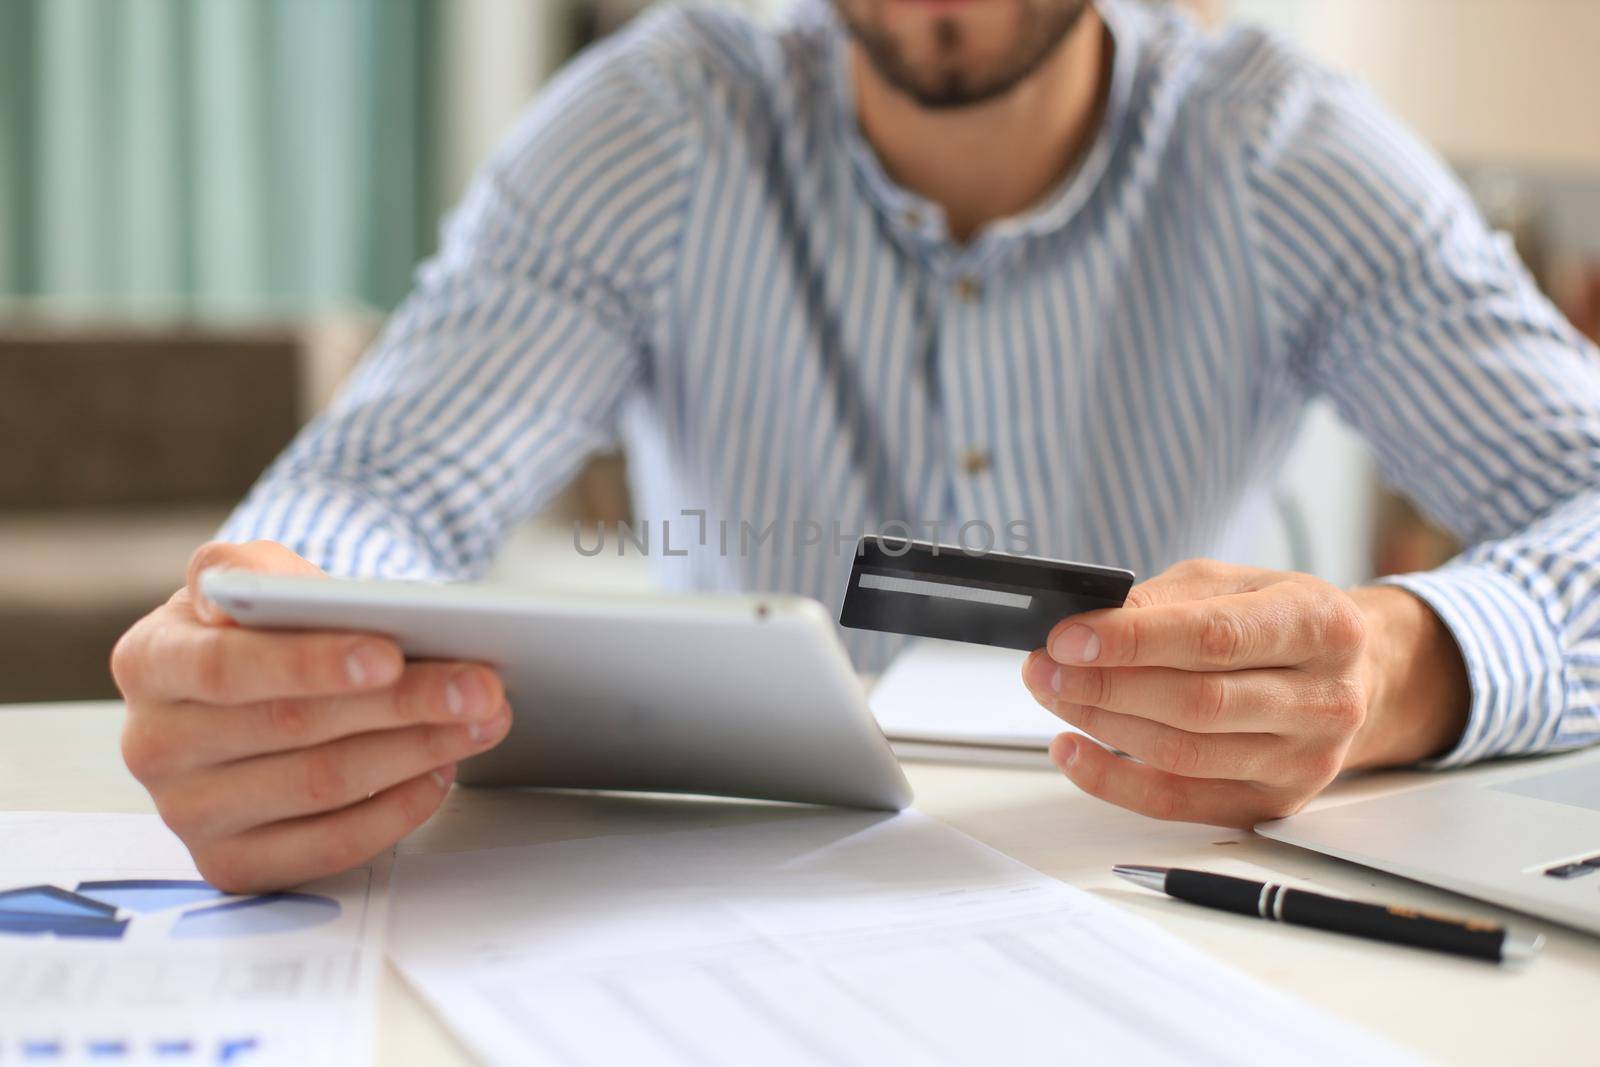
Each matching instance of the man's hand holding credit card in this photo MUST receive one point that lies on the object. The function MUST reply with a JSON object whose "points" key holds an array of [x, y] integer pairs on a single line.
{"points": [[1239, 692]]}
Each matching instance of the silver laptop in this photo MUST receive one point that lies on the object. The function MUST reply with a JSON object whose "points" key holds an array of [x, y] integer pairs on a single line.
{"points": [[1523, 834]]}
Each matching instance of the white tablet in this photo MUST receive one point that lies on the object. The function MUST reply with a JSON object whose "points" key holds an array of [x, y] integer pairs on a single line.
{"points": [[745, 696]]}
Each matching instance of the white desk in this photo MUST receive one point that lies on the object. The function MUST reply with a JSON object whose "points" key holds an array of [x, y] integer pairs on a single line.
{"points": [[64, 757]]}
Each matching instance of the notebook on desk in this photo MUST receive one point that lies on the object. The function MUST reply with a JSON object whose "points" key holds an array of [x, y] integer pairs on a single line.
{"points": [[941, 700]]}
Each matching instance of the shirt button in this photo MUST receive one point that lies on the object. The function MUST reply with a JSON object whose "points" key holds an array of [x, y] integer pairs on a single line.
{"points": [[969, 289], [975, 461], [911, 219]]}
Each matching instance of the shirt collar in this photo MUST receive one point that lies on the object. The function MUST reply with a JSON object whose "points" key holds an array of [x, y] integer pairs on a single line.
{"points": [[921, 219]]}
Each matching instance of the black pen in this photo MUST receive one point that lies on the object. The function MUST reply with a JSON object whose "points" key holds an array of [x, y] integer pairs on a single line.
{"points": [[1401, 926]]}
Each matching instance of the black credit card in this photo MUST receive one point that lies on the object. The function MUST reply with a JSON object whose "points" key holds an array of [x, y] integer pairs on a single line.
{"points": [[922, 589]]}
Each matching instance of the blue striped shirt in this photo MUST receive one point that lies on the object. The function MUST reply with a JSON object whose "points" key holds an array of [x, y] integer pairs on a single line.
{"points": [[686, 245]]}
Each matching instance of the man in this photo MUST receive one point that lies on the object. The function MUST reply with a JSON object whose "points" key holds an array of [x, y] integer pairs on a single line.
{"points": [[934, 261]]}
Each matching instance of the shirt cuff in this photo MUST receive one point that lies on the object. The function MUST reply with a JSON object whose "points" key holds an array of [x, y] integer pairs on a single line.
{"points": [[1513, 656], [342, 529]]}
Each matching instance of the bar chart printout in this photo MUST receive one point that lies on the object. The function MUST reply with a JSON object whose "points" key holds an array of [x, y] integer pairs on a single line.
{"points": [[113, 950], [844, 938]]}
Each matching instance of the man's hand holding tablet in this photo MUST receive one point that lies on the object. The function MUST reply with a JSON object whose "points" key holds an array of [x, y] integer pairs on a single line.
{"points": [[281, 757]]}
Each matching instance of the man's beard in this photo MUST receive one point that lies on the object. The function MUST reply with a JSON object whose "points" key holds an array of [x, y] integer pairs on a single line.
{"points": [[1044, 24]]}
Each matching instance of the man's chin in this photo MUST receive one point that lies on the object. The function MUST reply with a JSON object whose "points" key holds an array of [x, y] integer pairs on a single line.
{"points": [[951, 85], [954, 90], [948, 54]]}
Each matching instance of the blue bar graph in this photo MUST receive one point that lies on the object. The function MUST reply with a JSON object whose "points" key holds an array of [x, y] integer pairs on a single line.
{"points": [[47, 909], [102, 910]]}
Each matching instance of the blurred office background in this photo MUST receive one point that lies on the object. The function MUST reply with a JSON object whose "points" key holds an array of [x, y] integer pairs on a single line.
{"points": [[206, 207]]}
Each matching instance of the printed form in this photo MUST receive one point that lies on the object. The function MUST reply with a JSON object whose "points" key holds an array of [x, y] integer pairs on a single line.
{"points": [[842, 938], [112, 950]]}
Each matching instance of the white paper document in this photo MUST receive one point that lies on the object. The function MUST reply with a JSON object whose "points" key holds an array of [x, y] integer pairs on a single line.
{"points": [[844, 938], [112, 950], [946, 693]]}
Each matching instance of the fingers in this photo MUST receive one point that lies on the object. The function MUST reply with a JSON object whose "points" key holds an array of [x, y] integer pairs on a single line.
{"points": [[223, 801], [1161, 795], [267, 557], [1284, 625], [1237, 692], [1250, 701], [1261, 758], [279, 757], [172, 653], [181, 660], [170, 739], [289, 853]]}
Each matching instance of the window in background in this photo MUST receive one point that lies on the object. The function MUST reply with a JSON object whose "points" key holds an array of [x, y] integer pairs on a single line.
{"points": [[216, 153]]}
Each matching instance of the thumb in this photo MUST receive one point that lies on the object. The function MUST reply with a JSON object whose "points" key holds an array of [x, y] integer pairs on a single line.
{"points": [[263, 557]]}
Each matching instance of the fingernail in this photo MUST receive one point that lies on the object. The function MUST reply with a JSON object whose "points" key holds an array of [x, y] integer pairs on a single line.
{"points": [[1041, 672], [465, 694], [443, 777], [478, 731], [1077, 644], [1068, 752], [366, 663]]}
